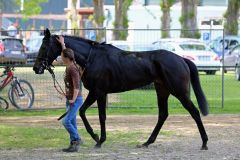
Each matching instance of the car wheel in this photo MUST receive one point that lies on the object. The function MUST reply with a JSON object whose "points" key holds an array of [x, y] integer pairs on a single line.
{"points": [[237, 73], [210, 72]]}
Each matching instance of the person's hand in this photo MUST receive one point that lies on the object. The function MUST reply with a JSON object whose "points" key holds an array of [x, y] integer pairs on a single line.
{"points": [[60, 39], [71, 102]]}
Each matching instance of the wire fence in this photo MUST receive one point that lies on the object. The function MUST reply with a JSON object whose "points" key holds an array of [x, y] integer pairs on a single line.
{"points": [[221, 89]]}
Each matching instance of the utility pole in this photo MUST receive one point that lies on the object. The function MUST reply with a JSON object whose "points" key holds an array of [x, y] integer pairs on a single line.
{"points": [[0, 21]]}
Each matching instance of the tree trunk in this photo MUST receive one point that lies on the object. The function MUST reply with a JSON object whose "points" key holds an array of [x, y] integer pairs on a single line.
{"points": [[232, 15], [74, 18], [121, 19], [166, 18], [99, 19], [188, 19]]}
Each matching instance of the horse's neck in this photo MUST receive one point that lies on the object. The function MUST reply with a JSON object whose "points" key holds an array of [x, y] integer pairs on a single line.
{"points": [[77, 45]]}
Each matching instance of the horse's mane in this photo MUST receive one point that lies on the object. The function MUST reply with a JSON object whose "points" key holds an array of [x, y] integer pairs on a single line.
{"points": [[82, 39], [104, 44]]}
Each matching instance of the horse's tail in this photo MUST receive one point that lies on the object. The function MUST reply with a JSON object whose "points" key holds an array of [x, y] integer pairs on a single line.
{"points": [[201, 99]]}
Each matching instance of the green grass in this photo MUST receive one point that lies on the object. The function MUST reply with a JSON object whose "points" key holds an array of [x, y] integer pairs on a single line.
{"points": [[13, 137], [30, 137]]}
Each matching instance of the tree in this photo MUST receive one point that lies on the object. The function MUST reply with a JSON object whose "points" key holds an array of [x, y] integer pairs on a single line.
{"points": [[74, 18], [188, 19], [121, 19], [166, 19], [31, 7], [232, 15], [99, 18]]}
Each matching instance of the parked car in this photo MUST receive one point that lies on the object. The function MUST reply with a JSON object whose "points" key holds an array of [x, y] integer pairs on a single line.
{"points": [[12, 51], [229, 42], [32, 48], [232, 61], [128, 46], [195, 50]]}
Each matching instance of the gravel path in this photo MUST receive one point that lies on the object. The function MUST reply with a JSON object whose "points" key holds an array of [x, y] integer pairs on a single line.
{"points": [[223, 132]]}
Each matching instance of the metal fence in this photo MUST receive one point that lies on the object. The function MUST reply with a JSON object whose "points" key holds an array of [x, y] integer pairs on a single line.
{"points": [[221, 89]]}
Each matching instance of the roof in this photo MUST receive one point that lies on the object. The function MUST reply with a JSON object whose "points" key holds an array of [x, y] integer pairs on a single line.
{"points": [[179, 40], [8, 37]]}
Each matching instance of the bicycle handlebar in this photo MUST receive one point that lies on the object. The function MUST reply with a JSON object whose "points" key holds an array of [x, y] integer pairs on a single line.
{"points": [[7, 69]]}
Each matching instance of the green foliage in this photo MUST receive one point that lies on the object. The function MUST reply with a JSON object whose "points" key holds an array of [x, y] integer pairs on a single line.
{"points": [[231, 24], [191, 14], [165, 34], [31, 7], [122, 35], [167, 4]]}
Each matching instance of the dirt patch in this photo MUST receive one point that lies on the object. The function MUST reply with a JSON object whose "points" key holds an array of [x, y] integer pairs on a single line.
{"points": [[185, 142]]}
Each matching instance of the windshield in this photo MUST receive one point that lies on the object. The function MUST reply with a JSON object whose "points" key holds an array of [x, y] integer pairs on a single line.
{"points": [[193, 47], [13, 44]]}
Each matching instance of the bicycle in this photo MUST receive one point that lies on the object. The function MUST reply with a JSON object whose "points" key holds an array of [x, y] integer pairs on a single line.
{"points": [[20, 94]]}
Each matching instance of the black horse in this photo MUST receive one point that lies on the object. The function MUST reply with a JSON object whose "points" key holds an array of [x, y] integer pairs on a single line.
{"points": [[108, 69]]}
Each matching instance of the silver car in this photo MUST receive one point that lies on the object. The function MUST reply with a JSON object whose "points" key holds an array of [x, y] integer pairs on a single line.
{"points": [[12, 51], [205, 59], [232, 61]]}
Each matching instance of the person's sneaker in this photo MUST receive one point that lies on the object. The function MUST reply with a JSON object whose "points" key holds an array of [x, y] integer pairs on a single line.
{"points": [[74, 147]]}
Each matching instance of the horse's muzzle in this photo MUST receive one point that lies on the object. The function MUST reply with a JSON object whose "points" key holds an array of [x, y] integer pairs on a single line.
{"points": [[38, 70]]}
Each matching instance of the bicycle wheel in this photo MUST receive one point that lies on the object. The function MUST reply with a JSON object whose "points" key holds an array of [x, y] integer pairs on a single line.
{"points": [[3, 104], [22, 94], [9, 96]]}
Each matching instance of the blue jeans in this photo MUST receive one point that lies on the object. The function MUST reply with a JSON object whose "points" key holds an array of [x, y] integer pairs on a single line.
{"points": [[70, 120]]}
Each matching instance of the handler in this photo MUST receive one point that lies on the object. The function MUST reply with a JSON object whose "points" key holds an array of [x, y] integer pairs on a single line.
{"points": [[74, 99]]}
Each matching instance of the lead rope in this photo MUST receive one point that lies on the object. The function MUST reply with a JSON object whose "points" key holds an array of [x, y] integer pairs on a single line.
{"points": [[61, 92]]}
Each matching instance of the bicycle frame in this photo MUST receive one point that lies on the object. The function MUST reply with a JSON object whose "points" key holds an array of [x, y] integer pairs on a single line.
{"points": [[20, 93], [8, 79]]}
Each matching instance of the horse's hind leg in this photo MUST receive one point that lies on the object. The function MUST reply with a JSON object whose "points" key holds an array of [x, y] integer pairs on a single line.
{"points": [[162, 96], [189, 106]]}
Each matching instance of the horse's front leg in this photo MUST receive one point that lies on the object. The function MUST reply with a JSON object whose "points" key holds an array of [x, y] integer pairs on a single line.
{"points": [[102, 118], [91, 98]]}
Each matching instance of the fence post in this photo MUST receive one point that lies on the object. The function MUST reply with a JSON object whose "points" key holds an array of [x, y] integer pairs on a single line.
{"points": [[105, 36], [223, 68]]}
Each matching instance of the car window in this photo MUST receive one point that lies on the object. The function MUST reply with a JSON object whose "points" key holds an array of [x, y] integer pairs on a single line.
{"points": [[233, 43], [193, 47], [12, 44], [226, 44]]}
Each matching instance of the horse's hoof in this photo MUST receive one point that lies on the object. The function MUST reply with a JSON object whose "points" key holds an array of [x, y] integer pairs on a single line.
{"points": [[97, 146], [142, 146], [204, 148]]}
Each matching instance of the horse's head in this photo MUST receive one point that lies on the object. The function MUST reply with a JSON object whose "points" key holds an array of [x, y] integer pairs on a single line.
{"points": [[48, 52]]}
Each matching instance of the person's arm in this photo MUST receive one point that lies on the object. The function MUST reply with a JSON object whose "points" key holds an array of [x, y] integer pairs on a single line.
{"points": [[60, 39]]}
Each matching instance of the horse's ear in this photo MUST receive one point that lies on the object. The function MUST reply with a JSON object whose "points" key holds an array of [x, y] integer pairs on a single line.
{"points": [[47, 33]]}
